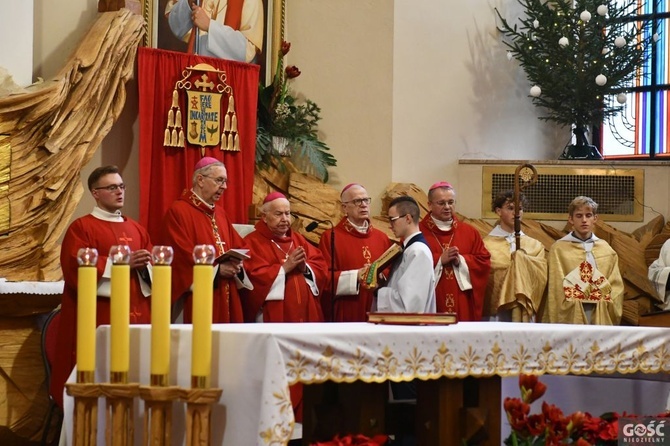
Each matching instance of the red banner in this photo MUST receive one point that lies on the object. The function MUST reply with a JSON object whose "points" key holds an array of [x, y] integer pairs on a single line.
{"points": [[166, 171]]}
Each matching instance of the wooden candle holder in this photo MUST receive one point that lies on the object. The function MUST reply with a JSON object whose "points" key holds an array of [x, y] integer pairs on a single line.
{"points": [[158, 414], [199, 414], [85, 425], [119, 422]]}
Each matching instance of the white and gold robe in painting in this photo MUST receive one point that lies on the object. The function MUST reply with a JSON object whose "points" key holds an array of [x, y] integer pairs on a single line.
{"points": [[585, 285], [659, 271], [518, 279]]}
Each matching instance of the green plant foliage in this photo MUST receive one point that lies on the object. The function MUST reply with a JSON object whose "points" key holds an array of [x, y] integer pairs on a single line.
{"points": [[566, 72]]}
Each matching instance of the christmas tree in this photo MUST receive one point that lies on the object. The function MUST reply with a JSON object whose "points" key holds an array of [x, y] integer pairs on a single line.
{"points": [[580, 57]]}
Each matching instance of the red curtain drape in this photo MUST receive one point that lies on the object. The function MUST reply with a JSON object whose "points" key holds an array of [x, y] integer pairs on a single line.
{"points": [[166, 171]]}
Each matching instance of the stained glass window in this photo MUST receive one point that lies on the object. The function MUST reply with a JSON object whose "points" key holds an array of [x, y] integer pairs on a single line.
{"points": [[641, 130]]}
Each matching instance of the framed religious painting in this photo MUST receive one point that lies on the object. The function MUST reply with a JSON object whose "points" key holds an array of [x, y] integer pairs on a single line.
{"points": [[161, 34]]}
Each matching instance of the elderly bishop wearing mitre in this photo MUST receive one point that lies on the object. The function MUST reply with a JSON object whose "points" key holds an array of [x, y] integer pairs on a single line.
{"points": [[288, 273], [193, 219]]}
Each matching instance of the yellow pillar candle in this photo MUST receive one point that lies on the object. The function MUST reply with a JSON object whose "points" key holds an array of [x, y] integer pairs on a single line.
{"points": [[87, 276], [120, 314], [160, 314], [201, 351]]}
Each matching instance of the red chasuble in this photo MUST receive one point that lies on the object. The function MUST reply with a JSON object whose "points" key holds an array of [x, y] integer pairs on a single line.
{"points": [[353, 250], [91, 232], [268, 252], [190, 222], [468, 304]]}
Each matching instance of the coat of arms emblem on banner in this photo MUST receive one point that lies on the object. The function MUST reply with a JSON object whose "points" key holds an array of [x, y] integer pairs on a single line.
{"points": [[206, 93]]}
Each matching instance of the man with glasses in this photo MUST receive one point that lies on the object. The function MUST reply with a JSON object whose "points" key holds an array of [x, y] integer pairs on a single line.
{"points": [[462, 263], [196, 219], [357, 244], [411, 284], [518, 278], [103, 228]]}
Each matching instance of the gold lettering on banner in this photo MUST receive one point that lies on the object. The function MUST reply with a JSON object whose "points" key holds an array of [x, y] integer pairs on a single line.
{"points": [[208, 121]]}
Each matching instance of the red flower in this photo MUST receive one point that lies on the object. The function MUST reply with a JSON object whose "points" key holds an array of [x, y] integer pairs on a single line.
{"points": [[582, 442], [536, 425], [517, 414], [285, 47], [355, 440], [531, 388], [292, 72]]}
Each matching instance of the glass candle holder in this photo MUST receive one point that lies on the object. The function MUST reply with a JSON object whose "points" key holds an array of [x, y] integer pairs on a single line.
{"points": [[162, 255], [204, 254], [120, 254]]}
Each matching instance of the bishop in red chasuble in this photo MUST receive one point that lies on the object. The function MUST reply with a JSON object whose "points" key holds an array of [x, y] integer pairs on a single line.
{"points": [[462, 263], [287, 272], [195, 219], [357, 244]]}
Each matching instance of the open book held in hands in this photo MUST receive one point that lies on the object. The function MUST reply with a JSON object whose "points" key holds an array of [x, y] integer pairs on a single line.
{"points": [[370, 274], [233, 254]]}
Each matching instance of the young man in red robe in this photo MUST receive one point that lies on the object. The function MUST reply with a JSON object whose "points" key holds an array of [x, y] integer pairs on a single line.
{"points": [[462, 263], [103, 228], [196, 219], [357, 244], [288, 273]]}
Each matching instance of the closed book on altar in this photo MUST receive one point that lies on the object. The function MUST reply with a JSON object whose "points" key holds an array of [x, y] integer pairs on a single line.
{"points": [[233, 254], [413, 318]]}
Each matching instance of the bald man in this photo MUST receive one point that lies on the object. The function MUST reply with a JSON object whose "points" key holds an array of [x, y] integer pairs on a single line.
{"points": [[357, 244]]}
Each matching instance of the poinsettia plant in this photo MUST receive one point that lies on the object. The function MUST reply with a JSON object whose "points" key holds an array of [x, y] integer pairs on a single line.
{"points": [[283, 119], [551, 426], [354, 440]]}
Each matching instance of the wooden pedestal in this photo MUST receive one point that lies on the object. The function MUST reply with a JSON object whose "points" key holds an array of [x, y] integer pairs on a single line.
{"points": [[85, 425], [158, 414], [199, 414], [119, 422]]}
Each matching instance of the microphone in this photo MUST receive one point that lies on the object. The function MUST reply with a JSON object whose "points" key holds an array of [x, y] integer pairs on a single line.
{"points": [[315, 224]]}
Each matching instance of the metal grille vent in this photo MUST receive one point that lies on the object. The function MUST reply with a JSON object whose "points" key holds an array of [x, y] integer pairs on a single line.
{"points": [[618, 192]]}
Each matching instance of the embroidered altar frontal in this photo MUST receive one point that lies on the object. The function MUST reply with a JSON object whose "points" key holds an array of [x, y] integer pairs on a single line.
{"points": [[255, 363]]}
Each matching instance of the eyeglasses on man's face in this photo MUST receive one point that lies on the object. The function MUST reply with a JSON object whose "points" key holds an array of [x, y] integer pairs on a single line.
{"points": [[220, 181], [359, 201], [111, 187], [444, 203], [393, 219]]}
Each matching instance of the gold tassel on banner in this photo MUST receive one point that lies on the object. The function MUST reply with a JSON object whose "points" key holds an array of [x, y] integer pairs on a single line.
{"points": [[174, 136], [226, 123], [175, 98], [166, 138], [170, 122], [181, 139], [234, 127], [177, 121], [231, 104], [236, 145]]}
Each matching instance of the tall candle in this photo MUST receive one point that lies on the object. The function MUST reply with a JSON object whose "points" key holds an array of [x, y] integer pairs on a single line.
{"points": [[201, 351], [86, 320], [160, 314], [120, 314]]}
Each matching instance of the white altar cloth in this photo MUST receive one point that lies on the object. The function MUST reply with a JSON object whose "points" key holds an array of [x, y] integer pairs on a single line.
{"points": [[255, 363]]}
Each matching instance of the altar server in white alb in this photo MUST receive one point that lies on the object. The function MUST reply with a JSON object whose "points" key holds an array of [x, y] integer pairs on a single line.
{"points": [[659, 271], [585, 285], [411, 285]]}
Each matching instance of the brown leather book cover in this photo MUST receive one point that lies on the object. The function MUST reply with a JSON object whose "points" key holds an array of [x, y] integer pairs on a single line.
{"points": [[413, 318]]}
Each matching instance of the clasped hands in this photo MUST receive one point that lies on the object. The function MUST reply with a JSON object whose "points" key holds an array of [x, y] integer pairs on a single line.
{"points": [[297, 259], [450, 256], [140, 259]]}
